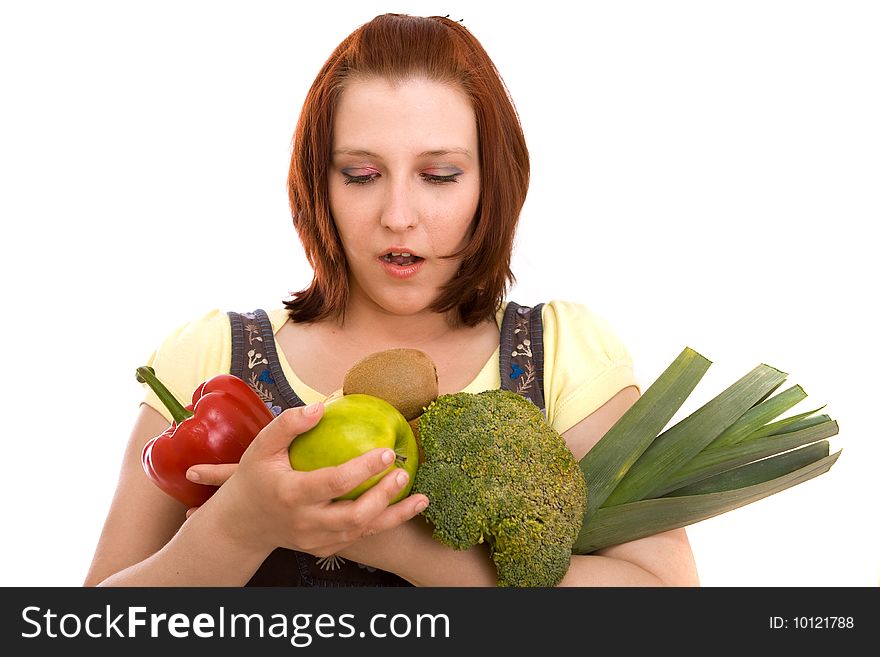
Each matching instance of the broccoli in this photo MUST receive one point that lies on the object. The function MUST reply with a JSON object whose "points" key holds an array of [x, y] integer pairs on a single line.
{"points": [[496, 471]]}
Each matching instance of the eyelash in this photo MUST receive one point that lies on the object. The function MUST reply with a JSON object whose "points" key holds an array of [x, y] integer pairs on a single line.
{"points": [[427, 177]]}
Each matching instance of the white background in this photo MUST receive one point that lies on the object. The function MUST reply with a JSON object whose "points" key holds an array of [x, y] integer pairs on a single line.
{"points": [[705, 174]]}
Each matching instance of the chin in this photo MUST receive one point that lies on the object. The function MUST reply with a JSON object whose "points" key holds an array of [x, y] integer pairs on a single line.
{"points": [[406, 310], [405, 305]]}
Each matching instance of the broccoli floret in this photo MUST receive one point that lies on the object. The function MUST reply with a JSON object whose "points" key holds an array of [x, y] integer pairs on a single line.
{"points": [[497, 472]]}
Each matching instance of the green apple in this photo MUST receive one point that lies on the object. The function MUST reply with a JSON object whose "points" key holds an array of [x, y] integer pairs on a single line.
{"points": [[352, 425]]}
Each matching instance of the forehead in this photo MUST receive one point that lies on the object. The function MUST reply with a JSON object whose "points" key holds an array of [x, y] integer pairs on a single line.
{"points": [[377, 113]]}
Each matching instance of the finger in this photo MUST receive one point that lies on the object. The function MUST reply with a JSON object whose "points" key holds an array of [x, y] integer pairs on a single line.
{"points": [[212, 474], [330, 483], [390, 517], [397, 514], [360, 516], [278, 434], [380, 496], [192, 510], [376, 503]]}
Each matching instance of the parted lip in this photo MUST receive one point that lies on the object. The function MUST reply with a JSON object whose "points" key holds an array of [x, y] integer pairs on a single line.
{"points": [[398, 250]]}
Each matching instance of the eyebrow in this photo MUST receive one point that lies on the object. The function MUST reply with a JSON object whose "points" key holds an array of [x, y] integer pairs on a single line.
{"points": [[438, 152]]}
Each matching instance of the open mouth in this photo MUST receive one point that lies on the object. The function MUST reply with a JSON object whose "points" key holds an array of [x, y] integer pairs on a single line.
{"points": [[402, 259]]}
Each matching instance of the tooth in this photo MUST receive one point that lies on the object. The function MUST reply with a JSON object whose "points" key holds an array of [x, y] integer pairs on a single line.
{"points": [[406, 255]]}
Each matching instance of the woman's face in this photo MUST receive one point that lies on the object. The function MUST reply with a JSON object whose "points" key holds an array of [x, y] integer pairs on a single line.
{"points": [[404, 188]]}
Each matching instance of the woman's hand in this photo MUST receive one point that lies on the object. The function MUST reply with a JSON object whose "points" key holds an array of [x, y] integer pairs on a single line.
{"points": [[266, 504]]}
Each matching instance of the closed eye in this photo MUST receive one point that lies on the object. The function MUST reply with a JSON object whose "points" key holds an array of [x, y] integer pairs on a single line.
{"points": [[439, 180], [359, 180]]}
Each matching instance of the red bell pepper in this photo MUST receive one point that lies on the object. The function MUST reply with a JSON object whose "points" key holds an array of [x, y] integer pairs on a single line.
{"points": [[223, 419]]}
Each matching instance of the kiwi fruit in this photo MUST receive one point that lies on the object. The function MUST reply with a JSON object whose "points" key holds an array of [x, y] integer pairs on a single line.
{"points": [[405, 378], [414, 425]]}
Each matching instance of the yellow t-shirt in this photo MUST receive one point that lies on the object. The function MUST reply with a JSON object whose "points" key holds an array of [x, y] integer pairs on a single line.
{"points": [[585, 363]]}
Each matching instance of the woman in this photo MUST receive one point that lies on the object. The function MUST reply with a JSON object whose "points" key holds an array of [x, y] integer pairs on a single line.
{"points": [[408, 174]]}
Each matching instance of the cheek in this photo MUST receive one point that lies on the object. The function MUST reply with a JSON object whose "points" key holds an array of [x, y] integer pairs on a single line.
{"points": [[453, 229]]}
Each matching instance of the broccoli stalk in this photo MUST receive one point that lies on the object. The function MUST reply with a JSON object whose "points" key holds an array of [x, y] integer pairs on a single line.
{"points": [[497, 472]]}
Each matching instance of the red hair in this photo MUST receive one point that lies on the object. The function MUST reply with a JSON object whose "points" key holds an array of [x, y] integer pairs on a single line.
{"points": [[396, 47]]}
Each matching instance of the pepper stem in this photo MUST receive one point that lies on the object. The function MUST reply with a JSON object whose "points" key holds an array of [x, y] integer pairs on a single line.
{"points": [[178, 412]]}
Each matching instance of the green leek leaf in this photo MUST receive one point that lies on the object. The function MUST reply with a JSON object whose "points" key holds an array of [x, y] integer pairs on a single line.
{"points": [[610, 458], [712, 462], [757, 472], [679, 444], [758, 416], [629, 521], [797, 424]]}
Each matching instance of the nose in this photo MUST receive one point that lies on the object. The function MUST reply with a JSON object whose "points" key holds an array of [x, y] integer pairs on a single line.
{"points": [[398, 212]]}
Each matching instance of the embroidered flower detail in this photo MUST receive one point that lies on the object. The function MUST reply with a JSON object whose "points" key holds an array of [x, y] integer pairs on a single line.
{"points": [[526, 382], [369, 569], [524, 348], [266, 377], [260, 389], [249, 315], [332, 562], [253, 333], [515, 371], [255, 358], [276, 410]]}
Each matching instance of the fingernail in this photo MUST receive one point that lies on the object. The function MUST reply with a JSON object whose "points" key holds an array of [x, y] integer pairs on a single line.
{"points": [[387, 456], [312, 409], [192, 475], [401, 477], [421, 506]]}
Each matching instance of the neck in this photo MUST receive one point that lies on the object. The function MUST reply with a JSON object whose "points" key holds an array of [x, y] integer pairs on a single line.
{"points": [[378, 326]]}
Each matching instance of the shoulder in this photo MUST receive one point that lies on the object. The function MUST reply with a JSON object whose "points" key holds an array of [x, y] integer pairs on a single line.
{"points": [[585, 362], [190, 353], [572, 325], [569, 325], [198, 333], [278, 317]]}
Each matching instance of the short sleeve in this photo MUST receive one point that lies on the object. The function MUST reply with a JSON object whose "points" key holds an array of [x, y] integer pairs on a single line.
{"points": [[189, 355], [585, 363]]}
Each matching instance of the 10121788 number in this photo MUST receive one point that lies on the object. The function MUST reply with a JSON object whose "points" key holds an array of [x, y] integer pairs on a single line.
{"points": [[823, 622]]}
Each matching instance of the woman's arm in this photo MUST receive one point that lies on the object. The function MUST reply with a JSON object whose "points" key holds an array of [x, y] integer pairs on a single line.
{"points": [[661, 560], [142, 519], [664, 559], [147, 539]]}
